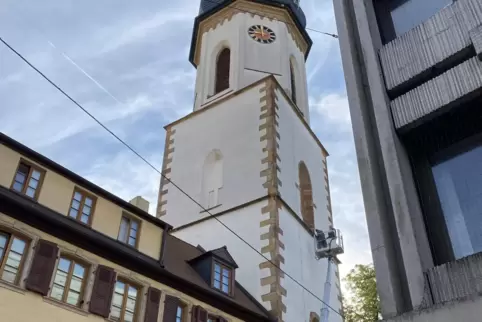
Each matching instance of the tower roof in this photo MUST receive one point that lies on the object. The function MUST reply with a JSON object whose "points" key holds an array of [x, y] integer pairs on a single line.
{"points": [[293, 5], [209, 7]]}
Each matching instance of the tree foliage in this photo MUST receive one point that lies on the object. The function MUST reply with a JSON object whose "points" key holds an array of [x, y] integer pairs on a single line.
{"points": [[363, 304]]}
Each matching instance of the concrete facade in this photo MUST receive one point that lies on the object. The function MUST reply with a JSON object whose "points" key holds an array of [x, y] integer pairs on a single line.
{"points": [[401, 91]]}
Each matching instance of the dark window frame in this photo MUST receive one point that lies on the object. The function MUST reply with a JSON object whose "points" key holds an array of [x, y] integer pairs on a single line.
{"points": [[130, 218], [231, 277], [383, 9], [73, 260], [85, 194], [3, 260], [31, 166], [430, 144]]}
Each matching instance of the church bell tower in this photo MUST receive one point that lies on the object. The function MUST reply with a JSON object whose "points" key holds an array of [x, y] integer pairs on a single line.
{"points": [[247, 154]]}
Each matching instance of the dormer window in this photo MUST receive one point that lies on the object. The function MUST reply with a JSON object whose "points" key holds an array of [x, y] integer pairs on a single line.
{"points": [[217, 268], [222, 278]]}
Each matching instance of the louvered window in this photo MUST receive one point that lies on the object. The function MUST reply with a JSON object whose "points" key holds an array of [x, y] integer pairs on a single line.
{"points": [[42, 268], [102, 291], [199, 314], [153, 304], [222, 71], [174, 310]]}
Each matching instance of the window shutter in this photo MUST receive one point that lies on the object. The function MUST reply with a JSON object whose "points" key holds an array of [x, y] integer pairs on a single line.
{"points": [[102, 291], [195, 314], [199, 314], [43, 265], [222, 70], [152, 306], [170, 308]]}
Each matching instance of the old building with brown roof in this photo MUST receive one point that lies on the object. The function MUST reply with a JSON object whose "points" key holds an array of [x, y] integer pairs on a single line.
{"points": [[71, 251]]}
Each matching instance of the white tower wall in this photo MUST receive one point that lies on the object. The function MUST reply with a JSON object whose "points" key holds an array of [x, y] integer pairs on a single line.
{"points": [[238, 155], [250, 60]]}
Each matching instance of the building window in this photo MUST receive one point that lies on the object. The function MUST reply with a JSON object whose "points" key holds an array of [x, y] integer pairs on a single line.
{"points": [[396, 17], [69, 281], [223, 63], [82, 206], [293, 82], [458, 182], [28, 180], [124, 302], [180, 312], [212, 179], [12, 250], [222, 278], [129, 231], [306, 196]]}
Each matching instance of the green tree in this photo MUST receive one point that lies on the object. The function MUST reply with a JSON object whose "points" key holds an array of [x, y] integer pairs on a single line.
{"points": [[362, 303]]}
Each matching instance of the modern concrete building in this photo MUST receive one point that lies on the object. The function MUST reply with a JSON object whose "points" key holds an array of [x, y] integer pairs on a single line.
{"points": [[414, 77], [248, 156], [73, 252]]}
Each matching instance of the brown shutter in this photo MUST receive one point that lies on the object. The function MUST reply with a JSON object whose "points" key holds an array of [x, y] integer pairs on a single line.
{"points": [[152, 306], [102, 291], [222, 70], [170, 308], [43, 265], [199, 314]]}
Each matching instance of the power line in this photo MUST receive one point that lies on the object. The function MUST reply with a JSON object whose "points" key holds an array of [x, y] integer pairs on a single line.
{"points": [[155, 169], [286, 22]]}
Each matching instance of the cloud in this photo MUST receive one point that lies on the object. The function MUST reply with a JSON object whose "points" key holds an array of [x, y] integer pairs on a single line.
{"points": [[334, 107]]}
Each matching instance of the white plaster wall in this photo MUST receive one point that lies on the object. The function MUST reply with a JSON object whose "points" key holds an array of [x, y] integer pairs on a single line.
{"points": [[210, 234], [232, 127], [250, 60], [300, 263], [296, 144]]}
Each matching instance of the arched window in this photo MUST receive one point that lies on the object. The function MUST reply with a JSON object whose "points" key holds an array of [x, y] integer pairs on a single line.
{"points": [[314, 317], [222, 70], [306, 196], [212, 180], [293, 82]]}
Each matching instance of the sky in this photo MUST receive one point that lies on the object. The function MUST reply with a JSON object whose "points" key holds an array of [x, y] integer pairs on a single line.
{"points": [[127, 63]]}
